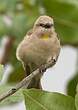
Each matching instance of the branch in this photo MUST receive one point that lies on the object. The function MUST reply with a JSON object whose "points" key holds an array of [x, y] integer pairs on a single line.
{"points": [[25, 82]]}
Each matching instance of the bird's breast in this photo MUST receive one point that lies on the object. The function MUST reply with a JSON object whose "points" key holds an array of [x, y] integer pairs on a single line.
{"points": [[44, 46], [39, 50]]}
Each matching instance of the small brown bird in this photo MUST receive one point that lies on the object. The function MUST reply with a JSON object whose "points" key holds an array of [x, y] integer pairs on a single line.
{"points": [[38, 46]]}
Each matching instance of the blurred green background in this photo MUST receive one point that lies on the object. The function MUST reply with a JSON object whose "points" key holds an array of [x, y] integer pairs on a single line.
{"points": [[18, 16]]}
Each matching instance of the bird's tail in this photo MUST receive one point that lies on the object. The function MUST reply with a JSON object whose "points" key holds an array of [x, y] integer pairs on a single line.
{"points": [[35, 83]]}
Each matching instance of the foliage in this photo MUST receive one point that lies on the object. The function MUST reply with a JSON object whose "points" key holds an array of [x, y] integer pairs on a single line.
{"points": [[42, 100]]}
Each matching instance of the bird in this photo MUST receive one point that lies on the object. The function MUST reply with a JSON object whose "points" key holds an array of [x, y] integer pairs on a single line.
{"points": [[40, 45]]}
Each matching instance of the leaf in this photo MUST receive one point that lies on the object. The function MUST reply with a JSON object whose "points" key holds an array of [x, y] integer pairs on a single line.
{"points": [[17, 97], [76, 101], [72, 84], [42, 100], [1, 72], [66, 18], [76, 97]]}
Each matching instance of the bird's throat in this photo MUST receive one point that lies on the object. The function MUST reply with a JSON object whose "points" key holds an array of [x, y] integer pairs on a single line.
{"points": [[45, 37]]}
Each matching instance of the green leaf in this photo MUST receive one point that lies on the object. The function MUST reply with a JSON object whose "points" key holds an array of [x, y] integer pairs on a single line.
{"points": [[42, 100], [76, 101], [17, 97], [71, 85], [76, 98], [1, 72], [66, 18]]}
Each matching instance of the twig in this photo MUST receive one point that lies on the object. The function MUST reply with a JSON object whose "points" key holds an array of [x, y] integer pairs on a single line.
{"points": [[25, 82]]}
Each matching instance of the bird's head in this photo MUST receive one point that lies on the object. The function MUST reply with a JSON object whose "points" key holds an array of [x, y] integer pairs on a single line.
{"points": [[45, 24]]}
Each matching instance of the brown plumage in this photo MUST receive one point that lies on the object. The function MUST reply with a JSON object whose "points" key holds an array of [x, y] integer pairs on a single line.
{"points": [[38, 46]]}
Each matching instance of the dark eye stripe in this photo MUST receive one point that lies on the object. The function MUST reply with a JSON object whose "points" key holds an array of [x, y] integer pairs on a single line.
{"points": [[42, 25], [45, 25], [48, 25]]}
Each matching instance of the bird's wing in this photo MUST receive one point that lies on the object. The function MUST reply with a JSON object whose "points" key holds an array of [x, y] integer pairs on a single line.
{"points": [[26, 69], [58, 36], [29, 32]]}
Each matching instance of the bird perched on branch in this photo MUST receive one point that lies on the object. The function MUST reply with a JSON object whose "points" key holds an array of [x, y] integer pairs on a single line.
{"points": [[38, 47]]}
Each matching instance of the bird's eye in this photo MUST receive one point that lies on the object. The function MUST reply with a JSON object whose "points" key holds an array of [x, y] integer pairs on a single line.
{"points": [[48, 25], [41, 24]]}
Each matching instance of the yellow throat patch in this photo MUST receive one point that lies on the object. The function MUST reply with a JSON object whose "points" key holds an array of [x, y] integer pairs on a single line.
{"points": [[45, 37]]}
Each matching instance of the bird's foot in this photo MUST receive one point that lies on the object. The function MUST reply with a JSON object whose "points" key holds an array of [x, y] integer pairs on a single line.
{"points": [[52, 59], [42, 69]]}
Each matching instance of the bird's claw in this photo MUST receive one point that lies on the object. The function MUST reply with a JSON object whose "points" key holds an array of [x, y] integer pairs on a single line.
{"points": [[42, 69], [53, 59]]}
